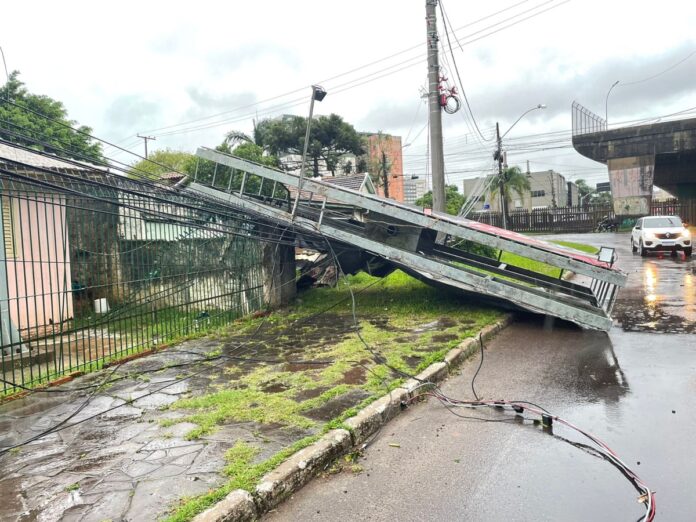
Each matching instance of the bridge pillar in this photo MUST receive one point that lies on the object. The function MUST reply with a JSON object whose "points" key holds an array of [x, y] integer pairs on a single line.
{"points": [[631, 181]]}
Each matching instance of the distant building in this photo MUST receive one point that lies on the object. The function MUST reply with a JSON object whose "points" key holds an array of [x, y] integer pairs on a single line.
{"points": [[375, 145], [414, 188], [548, 189], [391, 147]]}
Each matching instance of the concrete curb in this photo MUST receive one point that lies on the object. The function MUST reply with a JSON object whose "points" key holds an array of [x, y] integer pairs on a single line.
{"points": [[300, 468]]}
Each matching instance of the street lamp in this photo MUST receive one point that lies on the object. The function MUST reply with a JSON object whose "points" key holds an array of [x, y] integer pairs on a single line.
{"points": [[606, 103], [499, 156], [318, 94]]}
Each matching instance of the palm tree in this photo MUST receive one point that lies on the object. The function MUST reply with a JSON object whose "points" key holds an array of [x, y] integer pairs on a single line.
{"points": [[233, 138], [513, 180]]}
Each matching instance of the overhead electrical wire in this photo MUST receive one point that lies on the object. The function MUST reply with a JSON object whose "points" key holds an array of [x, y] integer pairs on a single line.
{"points": [[326, 80]]}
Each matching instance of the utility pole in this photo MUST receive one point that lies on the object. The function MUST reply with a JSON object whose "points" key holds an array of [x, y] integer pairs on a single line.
{"points": [[436, 151], [501, 181], [145, 140], [385, 174]]}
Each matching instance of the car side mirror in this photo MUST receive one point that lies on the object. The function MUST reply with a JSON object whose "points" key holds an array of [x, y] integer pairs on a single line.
{"points": [[637, 228]]}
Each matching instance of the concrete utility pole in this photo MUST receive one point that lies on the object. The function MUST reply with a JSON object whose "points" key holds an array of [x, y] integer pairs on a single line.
{"points": [[501, 181], [437, 155], [385, 174], [145, 139]]}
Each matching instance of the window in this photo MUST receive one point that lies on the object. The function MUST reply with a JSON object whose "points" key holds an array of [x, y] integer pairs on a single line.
{"points": [[538, 193], [8, 227]]}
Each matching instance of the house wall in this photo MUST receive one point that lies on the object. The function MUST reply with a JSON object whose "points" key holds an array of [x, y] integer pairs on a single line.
{"points": [[39, 279]]}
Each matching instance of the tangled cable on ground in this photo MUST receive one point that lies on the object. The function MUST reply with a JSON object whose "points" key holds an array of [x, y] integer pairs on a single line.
{"points": [[540, 415]]}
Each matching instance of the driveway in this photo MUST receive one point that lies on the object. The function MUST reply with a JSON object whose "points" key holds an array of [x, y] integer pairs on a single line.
{"points": [[631, 387]]}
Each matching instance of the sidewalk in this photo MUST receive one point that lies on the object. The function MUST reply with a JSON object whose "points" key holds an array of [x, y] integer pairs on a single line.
{"points": [[198, 413]]}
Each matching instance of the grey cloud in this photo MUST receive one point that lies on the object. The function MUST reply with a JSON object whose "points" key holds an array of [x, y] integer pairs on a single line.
{"points": [[233, 58], [394, 118], [590, 88], [128, 113]]}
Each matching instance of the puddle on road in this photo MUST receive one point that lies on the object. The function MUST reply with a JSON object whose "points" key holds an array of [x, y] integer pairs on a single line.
{"points": [[660, 297]]}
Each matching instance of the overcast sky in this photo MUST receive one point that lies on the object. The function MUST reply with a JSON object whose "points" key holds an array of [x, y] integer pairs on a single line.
{"points": [[149, 67]]}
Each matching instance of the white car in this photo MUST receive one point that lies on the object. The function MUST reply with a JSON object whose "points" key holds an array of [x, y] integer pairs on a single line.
{"points": [[654, 233]]}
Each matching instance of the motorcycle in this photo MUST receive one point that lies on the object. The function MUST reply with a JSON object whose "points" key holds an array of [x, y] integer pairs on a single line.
{"points": [[607, 224]]}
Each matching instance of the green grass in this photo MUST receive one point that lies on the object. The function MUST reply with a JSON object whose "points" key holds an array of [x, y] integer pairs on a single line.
{"points": [[543, 268], [588, 249], [389, 311], [243, 475]]}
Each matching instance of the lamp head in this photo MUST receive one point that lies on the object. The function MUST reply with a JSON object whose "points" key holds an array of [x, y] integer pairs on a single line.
{"points": [[318, 92], [541, 106]]}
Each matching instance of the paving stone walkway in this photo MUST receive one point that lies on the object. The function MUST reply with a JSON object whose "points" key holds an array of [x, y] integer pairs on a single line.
{"points": [[119, 464]]}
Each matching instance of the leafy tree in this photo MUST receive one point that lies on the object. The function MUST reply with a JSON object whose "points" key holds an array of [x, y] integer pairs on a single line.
{"points": [[453, 200], [348, 167], [330, 137], [583, 189], [49, 130], [253, 152], [602, 198], [380, 165], [162, 161], [514, 180]]}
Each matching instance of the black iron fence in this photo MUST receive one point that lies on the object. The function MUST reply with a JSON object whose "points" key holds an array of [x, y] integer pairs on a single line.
{"points": [[579, 218], [550, 220], [93, 271]]}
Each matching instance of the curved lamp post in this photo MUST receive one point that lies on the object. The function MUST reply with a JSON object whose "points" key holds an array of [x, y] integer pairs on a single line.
{"points": [[318, 94], [499, 157], [606, 103]]}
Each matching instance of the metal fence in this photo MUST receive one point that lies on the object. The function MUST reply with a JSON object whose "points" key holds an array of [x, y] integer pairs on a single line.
{"points": [[580, 218], [91, 272], [560, 220], [585, 121], [684, 209]]}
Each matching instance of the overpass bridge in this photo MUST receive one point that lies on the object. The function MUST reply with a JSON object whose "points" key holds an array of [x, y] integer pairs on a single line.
{"points": [[363, 230], [638, 157]]}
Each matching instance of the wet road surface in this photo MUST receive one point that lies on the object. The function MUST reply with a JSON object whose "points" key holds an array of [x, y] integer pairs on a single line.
{"points": [[633, 388]]}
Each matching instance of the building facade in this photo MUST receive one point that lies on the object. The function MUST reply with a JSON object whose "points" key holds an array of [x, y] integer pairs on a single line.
{"points": [[548, 189], [415, 187]]}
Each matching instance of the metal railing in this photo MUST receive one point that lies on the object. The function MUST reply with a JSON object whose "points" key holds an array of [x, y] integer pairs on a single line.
{"points": [[91, 273], [585, 121], [553, 220]]}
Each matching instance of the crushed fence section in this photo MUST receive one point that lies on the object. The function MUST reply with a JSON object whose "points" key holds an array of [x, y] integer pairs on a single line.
{"points": [[408, 238], [94, 267]]}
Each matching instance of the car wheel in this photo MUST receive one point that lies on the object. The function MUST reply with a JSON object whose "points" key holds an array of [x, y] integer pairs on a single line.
{"points": [[687, 252], [634, 249], [641, 249]]}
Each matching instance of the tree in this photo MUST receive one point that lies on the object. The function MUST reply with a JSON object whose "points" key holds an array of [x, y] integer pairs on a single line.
{"points": [[330, 137], [380, 164], [162, 161], [514, 180], [454, 201], [253, 152], [42, 123], [583, 189], [602, 198]]}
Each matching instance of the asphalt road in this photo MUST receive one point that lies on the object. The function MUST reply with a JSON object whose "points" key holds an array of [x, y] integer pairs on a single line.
{"points": [[632, 388]]}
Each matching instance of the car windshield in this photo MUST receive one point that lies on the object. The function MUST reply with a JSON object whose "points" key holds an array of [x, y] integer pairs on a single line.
{"points": [[662, 222]]}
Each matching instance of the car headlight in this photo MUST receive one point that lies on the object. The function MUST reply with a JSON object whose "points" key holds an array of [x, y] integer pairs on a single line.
{"points": [[686, 234], [650, 235]]}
